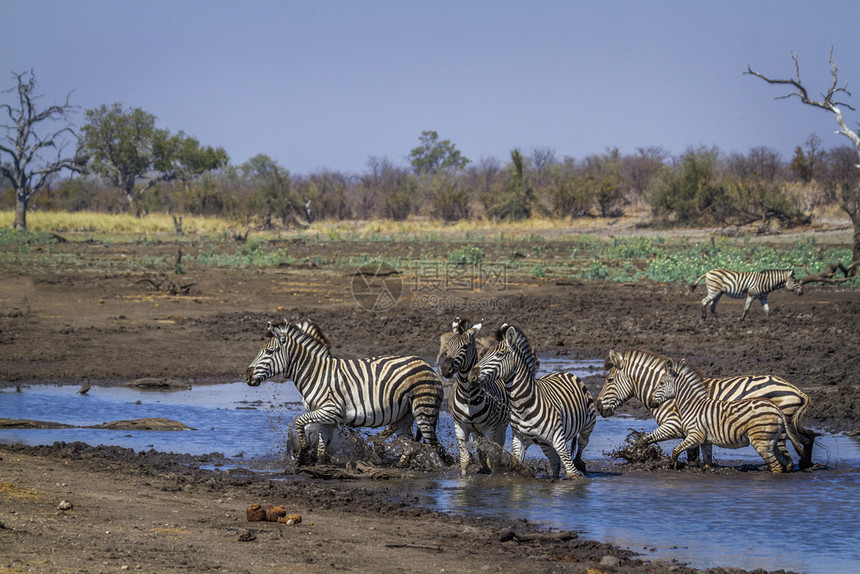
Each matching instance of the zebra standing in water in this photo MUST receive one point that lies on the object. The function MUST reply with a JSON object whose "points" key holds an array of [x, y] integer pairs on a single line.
{"points": [[373, 392], [482, 410], [737, 284], [550, 411], [635, 373], [727, 424]]}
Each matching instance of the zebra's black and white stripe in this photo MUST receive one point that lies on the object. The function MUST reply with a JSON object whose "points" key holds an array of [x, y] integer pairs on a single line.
{"points": [[636, 373], [372, 392], [551, 411], [750, 284], [727, 424], [476, 409]]}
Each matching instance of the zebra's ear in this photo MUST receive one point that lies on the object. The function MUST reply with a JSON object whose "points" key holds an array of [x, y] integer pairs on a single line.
{"points": [[474, 330], [615, 359], [671, 366], [276, 332], [511, 336]]}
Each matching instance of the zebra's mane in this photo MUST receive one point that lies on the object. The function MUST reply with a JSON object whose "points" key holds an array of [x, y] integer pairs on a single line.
{"points": [[309, 335], [691, 374], [632, 352], [522, 342]]}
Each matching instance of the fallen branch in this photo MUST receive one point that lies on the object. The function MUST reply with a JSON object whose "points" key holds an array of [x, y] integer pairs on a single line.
{"points": [[829, 273]]}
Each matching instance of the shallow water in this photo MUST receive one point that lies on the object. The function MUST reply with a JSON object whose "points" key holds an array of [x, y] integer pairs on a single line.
{"points": [[804, 521]]}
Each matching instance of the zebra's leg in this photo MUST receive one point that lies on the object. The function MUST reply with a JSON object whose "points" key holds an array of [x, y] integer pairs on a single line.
{"points": [[691, 440], [562, 451], [707, 455], [325, 433], [578, 445], [749, 301], [554, 460], [713, 299], [498, 437], [518, 447], [766, 445], [462, 438], [661, 433], [764, 304]]}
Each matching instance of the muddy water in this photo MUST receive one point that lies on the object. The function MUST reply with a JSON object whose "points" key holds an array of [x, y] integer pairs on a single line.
{"points": [[806, 522]]}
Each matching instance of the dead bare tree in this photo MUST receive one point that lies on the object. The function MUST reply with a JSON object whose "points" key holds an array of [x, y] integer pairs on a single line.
{"points": [[849, 197], [27, 170]]}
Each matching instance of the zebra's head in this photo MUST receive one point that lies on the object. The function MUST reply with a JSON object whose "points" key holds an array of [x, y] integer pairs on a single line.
{"points": [[618, 386], [501, 361], [667, 386], [272, 359], [792, 284], [461, 354]]}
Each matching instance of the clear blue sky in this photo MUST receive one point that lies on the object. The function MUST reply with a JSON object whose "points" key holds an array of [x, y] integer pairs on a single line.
{"points": [[320, 85]]}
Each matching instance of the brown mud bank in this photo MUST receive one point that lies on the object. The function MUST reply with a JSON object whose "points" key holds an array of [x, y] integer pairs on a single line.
{"points": [[76, 508]]}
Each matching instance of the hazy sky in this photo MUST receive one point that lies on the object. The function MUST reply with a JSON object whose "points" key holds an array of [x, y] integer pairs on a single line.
{"points": [[320, 84]]}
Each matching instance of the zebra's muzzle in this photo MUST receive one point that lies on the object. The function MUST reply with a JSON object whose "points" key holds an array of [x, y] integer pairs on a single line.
{"points": [[602, 410], [252, 380], [447, 368]]}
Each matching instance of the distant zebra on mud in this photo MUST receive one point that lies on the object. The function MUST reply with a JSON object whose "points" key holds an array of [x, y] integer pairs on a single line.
{"points": [[727, 424], [373, 392], [750, 284], [636, 373], [551, 411], [482, 410]]}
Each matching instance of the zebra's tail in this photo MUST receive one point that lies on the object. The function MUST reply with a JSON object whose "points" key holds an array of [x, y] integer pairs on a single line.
{"points": [[695, 283], [806, 437]]}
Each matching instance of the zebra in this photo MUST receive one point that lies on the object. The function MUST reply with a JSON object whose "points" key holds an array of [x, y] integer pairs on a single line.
{"points": [[727, 424], [482, 410], [549, 411], [752, 284], [371, 392], [636, 372]]}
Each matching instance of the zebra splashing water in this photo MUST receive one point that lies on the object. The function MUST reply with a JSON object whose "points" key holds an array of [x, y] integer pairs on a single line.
{"points": [[727, 424], [372, 392], [551, 411], [476, 409], [636, 372], [751, 284]]}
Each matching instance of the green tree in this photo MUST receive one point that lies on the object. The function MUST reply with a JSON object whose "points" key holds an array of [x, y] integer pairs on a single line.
{"points": [[516, 198], [688, 193], [125, 147], [28, 170], [435, 155], [272, 194]]}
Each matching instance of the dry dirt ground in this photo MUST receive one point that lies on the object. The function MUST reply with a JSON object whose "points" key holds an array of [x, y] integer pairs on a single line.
{"points": [[148, 512]]}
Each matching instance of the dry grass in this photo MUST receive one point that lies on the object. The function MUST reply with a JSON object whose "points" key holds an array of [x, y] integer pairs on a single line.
{"points": [[87, 221]]}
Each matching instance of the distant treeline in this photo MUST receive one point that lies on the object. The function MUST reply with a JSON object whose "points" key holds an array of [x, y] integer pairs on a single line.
{"points": [[701, 186]]}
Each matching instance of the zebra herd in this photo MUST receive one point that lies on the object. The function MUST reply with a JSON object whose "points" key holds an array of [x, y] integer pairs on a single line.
{"points": [[494, 385]]}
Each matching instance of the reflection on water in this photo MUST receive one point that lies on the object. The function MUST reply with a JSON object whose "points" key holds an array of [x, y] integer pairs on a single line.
{"points": [[803, 521]]}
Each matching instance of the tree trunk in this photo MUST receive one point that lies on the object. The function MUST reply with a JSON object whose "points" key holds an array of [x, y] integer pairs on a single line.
{"points": [[855, 252], [20, 213]]}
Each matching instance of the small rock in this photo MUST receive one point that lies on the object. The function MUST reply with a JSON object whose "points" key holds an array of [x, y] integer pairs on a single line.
{"points": [[290, 519], [609, 562], [247, 536], [65, 505]]}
